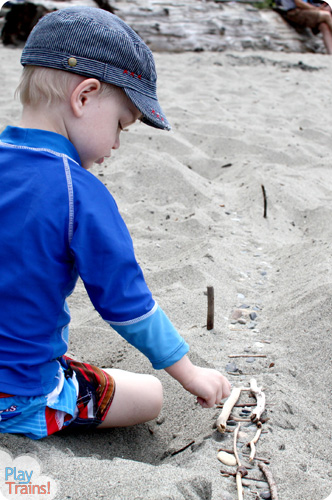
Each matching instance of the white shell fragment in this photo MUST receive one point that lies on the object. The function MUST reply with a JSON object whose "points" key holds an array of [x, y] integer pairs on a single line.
{"points": [[226, 458]]}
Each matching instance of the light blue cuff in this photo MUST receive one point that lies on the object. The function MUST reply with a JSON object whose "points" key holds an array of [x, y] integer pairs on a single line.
{"points": [[156, 337]]}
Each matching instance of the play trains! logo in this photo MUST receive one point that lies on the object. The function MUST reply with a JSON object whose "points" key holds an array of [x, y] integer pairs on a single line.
{"points": [[21, 478]]}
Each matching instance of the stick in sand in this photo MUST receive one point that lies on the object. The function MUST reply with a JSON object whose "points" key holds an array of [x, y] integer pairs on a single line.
{"points": [[210, 311], [265, 201]]}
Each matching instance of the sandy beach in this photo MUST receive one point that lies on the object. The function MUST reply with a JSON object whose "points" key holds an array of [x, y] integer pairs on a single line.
{"points": [[193, 201]]}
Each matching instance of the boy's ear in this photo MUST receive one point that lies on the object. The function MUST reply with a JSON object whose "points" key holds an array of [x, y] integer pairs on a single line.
{"points": [[82, 94]]}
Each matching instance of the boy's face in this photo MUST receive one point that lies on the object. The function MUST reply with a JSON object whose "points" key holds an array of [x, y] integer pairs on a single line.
{"points": [[98, 130]]}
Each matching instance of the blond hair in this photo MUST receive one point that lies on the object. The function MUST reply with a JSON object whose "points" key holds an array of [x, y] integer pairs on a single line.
{"points": [[50, 85]]}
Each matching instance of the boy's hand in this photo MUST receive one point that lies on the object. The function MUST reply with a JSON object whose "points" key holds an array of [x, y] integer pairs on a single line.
{"points": [[209, 385]]}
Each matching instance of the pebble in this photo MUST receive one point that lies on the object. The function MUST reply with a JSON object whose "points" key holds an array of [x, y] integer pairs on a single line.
{"points": [[252, 315], [265, 495], [240, 296], [250, 360], [231, 367], [236, 315], [251, 325]]}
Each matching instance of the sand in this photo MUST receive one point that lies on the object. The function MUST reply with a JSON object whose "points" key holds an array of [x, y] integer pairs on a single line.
{"points": [[193, 202]]}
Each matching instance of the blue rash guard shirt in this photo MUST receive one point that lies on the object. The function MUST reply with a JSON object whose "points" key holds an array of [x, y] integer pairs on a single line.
{"points": [[59, 222]]}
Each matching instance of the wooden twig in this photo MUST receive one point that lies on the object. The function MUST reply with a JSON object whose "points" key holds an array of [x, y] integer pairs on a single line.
{"points": [[238, 405], [260, 459], [260, 398], [239, 419], [241, 471], [236, 432], [227, 408], [272, 485], [228, 473], [252, 443], [247, 355], [238, 476], [265, 201], [210, 309], [183, 448]]}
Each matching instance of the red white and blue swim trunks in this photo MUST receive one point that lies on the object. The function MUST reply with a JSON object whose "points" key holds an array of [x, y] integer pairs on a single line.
{"points": [[82, 398]]}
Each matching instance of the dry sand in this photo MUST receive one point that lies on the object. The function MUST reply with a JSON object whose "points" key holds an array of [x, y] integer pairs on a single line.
{"points": [[197, 222]]}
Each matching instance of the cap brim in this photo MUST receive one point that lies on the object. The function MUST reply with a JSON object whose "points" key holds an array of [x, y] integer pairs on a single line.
{"points": [[150, 108]]}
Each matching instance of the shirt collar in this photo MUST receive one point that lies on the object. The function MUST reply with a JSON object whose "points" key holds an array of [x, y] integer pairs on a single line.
{"points": [[43, 139]]}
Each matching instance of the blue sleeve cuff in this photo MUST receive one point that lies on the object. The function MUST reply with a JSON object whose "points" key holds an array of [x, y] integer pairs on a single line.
{"points": [[155, 336]]}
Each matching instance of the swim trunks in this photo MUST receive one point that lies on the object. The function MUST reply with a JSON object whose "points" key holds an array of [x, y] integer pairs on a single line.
{"points": [[82, 399]]}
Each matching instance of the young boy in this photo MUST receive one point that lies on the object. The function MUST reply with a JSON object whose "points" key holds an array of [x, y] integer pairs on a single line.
{"points": [[87, 76]]}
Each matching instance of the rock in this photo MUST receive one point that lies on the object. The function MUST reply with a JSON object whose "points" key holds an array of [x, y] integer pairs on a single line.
{"points": [[226, 458], [236, 315], [250, 360], [231, 367], [253, 315], [265, 495]]}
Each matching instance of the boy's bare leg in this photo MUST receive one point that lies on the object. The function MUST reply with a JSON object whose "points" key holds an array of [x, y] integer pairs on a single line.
{"points": [[138, 398], [325, 17], [327, 37]]}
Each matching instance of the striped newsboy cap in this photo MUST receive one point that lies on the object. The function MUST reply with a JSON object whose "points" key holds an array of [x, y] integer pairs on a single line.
{"points": [[97, 44]]}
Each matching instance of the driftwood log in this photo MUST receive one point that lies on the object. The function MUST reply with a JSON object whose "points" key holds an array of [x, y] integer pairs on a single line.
{"points": [[215, 26], [196, 25]]}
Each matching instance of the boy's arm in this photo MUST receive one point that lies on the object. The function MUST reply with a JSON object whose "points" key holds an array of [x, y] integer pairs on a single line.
{"points": [[209, 385]]}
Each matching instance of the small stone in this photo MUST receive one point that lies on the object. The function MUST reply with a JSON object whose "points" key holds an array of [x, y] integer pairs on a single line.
{"points": [[241, 321], [231, 367], [236, 314], [252, 315], [250, 360], [251, 325], [240, 296], [265, 495]]}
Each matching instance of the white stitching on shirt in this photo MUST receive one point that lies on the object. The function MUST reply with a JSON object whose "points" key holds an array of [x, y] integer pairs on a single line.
{"points": [[135, 320], [70, 199], [45, 150]]}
